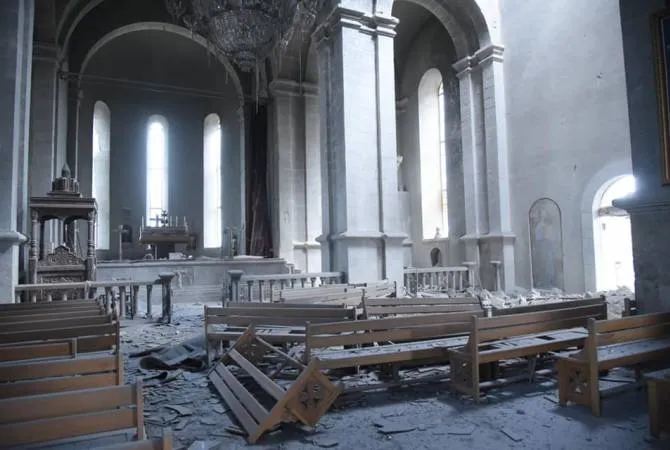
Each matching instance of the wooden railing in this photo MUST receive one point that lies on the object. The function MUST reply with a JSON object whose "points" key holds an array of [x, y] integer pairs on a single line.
{"points": [[126, 291], [262, 288], [438, 278]]}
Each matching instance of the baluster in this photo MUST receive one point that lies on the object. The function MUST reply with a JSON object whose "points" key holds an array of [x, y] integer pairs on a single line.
{"points": [[405, 279], [136, 299], [122, 302], [166, 282], [150, 287], [17, 297], [272, 292], [33, 296], [302, 282], [63, 296], [108, 300], [292, 283], [312, 281], [460, 281], [249, 285], [261, 283]]}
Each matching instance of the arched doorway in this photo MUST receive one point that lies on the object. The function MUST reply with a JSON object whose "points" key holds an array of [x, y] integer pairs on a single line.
{"points": [[612, 236]]}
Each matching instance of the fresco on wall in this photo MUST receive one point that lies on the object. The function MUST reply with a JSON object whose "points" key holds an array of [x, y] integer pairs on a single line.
{"points": [[546, 244]]}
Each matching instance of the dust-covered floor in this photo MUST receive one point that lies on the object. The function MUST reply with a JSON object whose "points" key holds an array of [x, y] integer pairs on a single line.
{"points": [[427, 416]]}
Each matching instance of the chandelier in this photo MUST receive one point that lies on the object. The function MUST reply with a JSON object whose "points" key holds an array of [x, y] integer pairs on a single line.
{"points": [[246, 31]]}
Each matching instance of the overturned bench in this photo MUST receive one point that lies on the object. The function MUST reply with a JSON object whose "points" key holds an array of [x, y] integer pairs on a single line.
{"points": [[628, 341], [514, 336], [277, 323], [386, 306], [308, 398], [39, 419]]}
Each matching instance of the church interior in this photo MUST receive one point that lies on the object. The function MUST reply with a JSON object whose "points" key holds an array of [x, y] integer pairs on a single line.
{"points": [[335, 223]]}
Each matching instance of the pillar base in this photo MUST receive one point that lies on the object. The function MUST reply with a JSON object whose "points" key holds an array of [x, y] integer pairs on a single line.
{"points": [[10, 242]]}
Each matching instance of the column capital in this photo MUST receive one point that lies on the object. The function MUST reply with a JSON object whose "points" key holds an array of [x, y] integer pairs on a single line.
{"points": [[290, 88], [401, 105], [492, 53], [464, 66], [341, 17]]}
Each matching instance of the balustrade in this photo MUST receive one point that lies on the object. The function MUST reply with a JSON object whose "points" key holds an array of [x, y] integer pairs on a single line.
{"points": [[265, 288], [438, 278]]}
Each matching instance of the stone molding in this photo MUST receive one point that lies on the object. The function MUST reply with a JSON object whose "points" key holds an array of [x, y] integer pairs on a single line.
{"points": [[306, 245], [45, 51], [482, 57], [342, 17], [505, 237], [11, 237], [292, 88], [364, 235], [636, 206]]}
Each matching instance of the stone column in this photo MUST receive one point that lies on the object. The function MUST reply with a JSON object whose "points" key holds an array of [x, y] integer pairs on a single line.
{"points": [[287, 160], [313, 220], [16, 18], [244, 113], [357, 90], [499, 241], [75, 96]]}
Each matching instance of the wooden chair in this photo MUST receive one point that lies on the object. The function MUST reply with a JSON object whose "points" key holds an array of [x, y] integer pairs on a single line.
{"points": [[628, 341], [39, 419], [390, 341], [38, 377], [37, 350], [386, 306], [277, 323], [305, 401], [514, 336]]}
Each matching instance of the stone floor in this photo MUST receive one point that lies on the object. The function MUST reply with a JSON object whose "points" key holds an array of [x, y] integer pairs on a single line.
{"points": [[427, 416]]}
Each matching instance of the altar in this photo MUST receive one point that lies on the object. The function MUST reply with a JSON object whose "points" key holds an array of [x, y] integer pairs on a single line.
{"points": [[165, 235]]}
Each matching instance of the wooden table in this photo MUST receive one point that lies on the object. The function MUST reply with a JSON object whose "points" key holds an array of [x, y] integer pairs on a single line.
{"points": [[658, 391]]}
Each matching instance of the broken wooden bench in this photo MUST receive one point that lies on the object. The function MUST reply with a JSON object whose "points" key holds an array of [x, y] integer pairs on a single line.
{"points": [[392, 341], [495, 339], [387, 306], [46, 376], [93, 333], [41, 419], [277, 323], [305, 401], [629, 341]]}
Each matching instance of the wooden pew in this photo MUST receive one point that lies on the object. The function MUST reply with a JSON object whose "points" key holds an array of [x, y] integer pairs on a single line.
{"points": [[527, 335], [537, 307], [164, 443], [628, 341], [36, 350], [38, 377], [629, 307], [39, 419], [334, 294], [386, 306], [305, 401], [432, 333], [90, 338], [67, 308], [278, 323]]}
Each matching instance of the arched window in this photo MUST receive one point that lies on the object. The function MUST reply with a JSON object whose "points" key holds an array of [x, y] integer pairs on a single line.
{"points": [[157, 167], [612, 237], [432, 143], [100, 171], [212, 182]]}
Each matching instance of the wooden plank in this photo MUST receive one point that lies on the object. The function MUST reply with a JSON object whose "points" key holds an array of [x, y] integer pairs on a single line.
{"points": [[56, 368], [56, 385], [393, 322], [492, 334], [45, 430], [38, 305], [547, 306], [84, 312], [258, 305], [37, 407], [264, 382], [233, 403], [634, 334], [535, 317], [242, 321], [295, 311], [389, 301], [58, 333], [642, 320], [92, 310], [35, 350], [252, 405], [425, 309], [30, 325]]}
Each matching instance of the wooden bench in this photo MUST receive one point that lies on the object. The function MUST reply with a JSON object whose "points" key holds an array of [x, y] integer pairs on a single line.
{"points": [[495, 339], [548, 306], [432, 333], [277, 323], [386, 306], [70, 308], [629, 307], [338, 294], [94, 337], [164, 443], [60, 375], [308, 398], [38, 350], [628, 341], [54, 417]]}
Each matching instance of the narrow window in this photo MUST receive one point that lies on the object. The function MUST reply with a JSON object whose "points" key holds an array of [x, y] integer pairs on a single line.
{"points": [[100, 171], [157, 168], [212, 235]]}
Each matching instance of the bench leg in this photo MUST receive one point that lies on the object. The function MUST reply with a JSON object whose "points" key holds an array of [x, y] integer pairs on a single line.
{"points": [[532, 366], [464, 374], [576, 384]]}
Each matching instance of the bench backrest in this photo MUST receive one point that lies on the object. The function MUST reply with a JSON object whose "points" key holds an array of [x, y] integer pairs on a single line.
{"points": [[90, 338], [60, 375], [629, 307], [23, 316], [396, 329], [548, 306], [628, 329], [385, 306], [348, 296], [273, 315], [51, 417], [496, 328], [15, 309], [51, 323], [37, 350]]}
